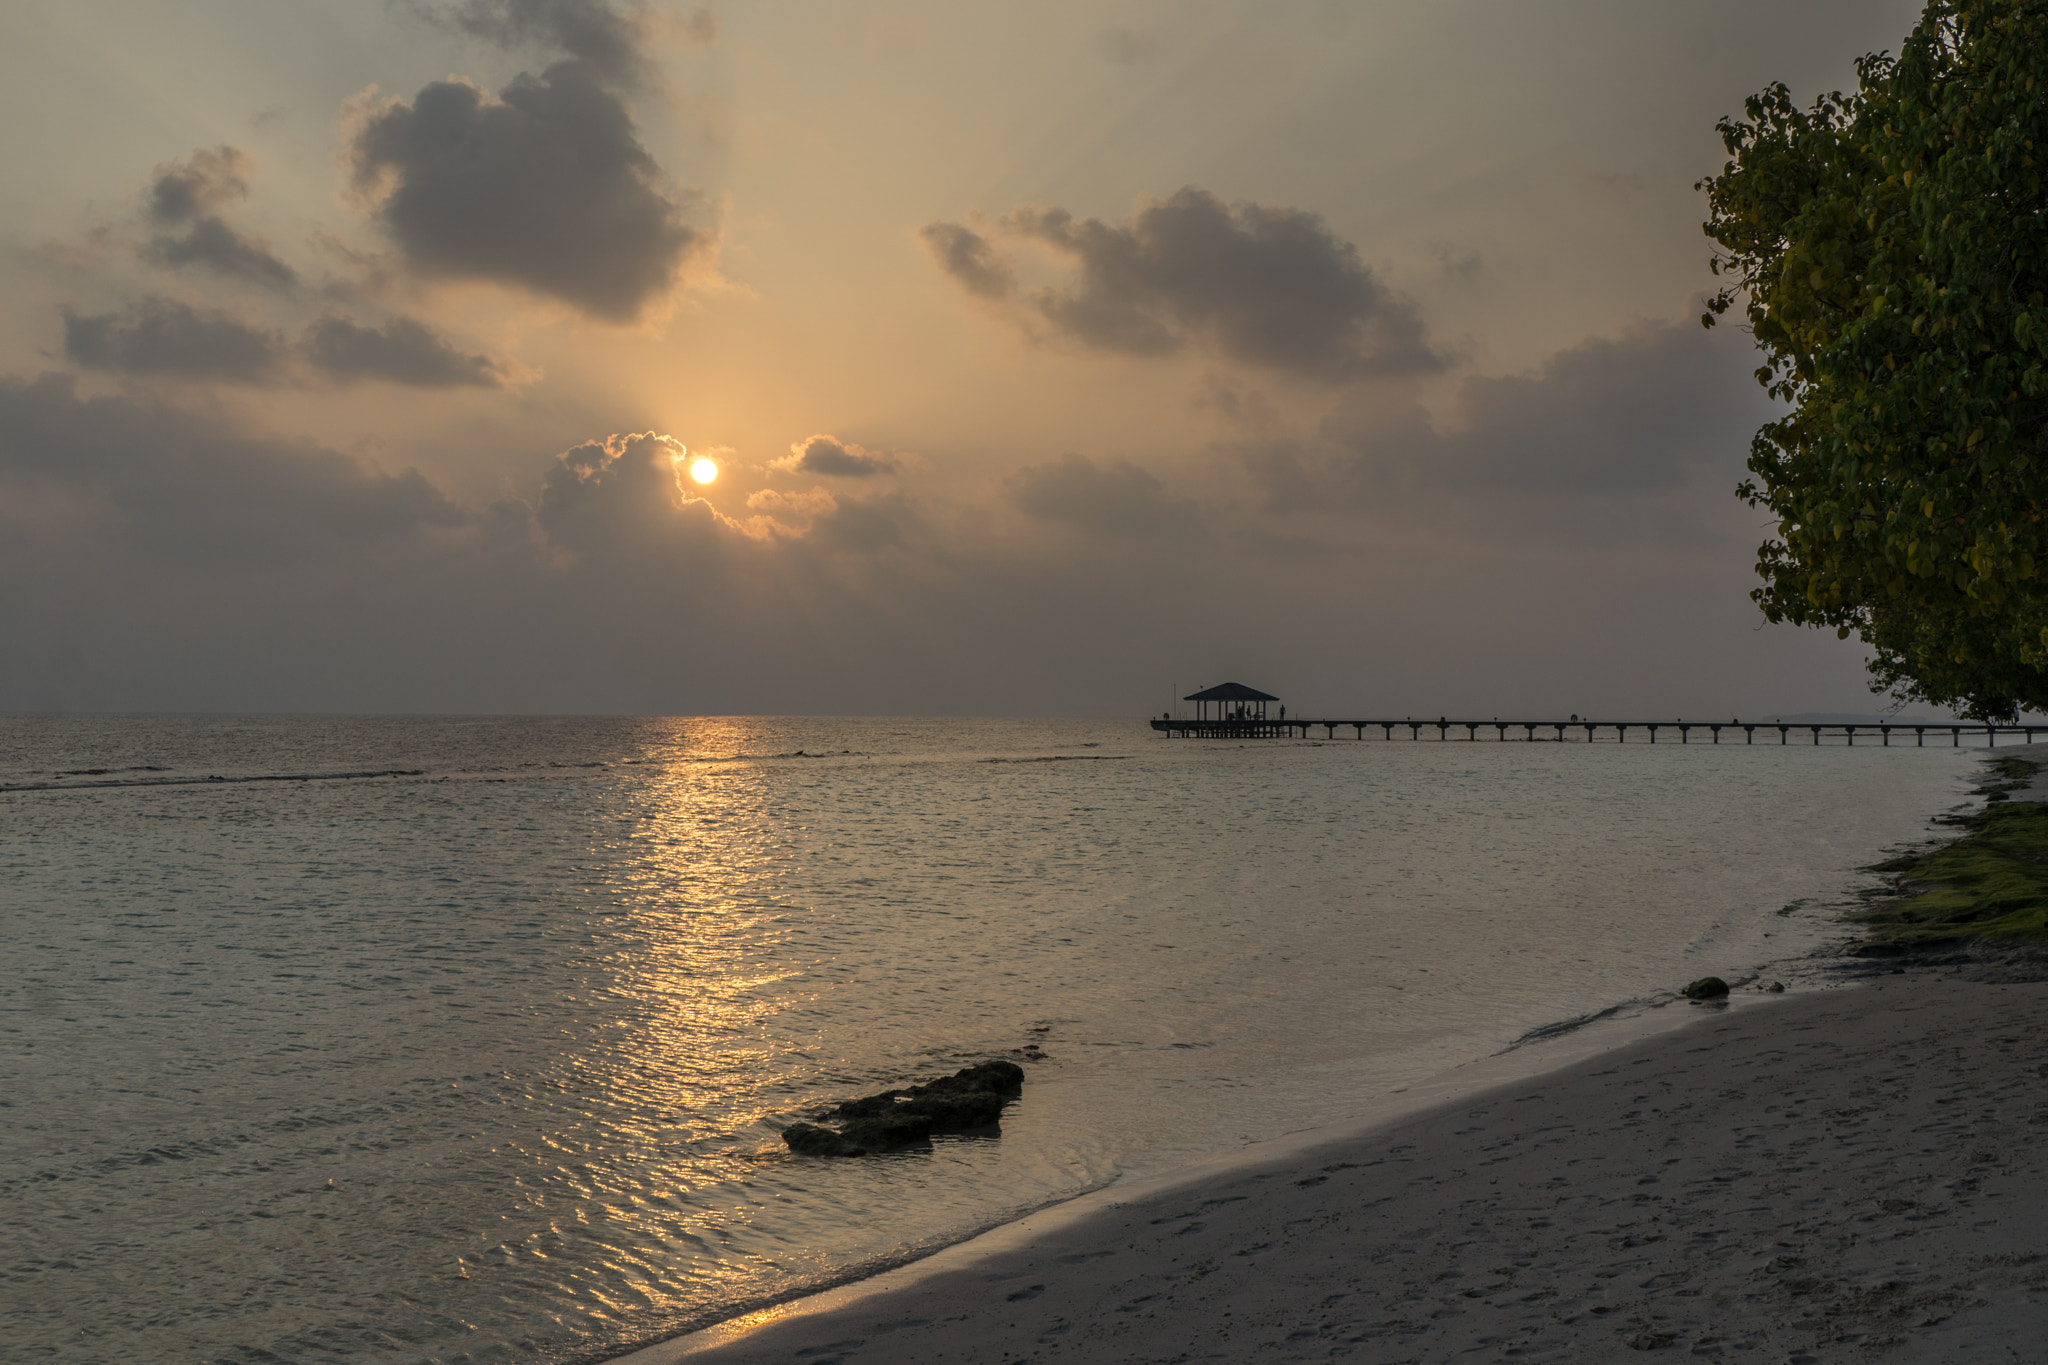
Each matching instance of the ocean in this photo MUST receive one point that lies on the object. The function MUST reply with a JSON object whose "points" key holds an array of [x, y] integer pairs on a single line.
{"points": [[440, 1039]]}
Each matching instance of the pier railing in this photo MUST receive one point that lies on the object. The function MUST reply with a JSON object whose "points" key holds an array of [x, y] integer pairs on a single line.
{"points": [[1591, 730]]}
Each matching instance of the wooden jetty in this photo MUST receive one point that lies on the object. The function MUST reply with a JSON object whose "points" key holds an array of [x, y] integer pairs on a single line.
{"points": [[1234, 711]]}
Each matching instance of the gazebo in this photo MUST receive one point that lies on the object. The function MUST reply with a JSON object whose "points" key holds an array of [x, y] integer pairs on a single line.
{"points": [[1234, 702]]}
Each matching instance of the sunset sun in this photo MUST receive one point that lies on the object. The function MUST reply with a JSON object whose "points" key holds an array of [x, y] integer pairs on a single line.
{"points": [[703, 471]]}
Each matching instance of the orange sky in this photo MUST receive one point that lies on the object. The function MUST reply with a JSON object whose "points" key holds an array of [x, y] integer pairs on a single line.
{"points": [[1345, 348]]}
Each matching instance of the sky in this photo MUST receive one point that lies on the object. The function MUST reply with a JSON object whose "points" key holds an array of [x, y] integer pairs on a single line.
{"points": [[1052, 359]]}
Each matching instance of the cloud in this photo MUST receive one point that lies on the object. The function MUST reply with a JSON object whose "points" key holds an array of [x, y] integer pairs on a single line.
{"points": [[1269, 286], [178, 491], [1457, 262], [544, 186], [1629, 440], [213, 245], [868, 525], [180, 191], [700, 28], [167, 338], [402, 351], [602, 35], [1117, 499], [246, 571], [828, 455], [1639, 412], [1242, 407], [161, 336], [190, 193], [787, 515], [967, 256], [613, 497]]}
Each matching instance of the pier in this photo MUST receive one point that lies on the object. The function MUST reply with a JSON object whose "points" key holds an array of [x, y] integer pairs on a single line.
{"points": [[1589, 731], [1234, 711]]}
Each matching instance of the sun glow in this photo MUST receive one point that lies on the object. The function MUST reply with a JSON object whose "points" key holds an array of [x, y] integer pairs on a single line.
{"points": [[703, 470]]}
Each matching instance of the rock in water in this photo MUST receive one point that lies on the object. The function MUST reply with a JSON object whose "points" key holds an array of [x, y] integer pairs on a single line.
{"points": [[1707, 988], [968, 1099], [809, 1139]]}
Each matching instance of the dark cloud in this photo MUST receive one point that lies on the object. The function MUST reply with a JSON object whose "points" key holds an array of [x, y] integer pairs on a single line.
{"points": [[700, 29], [867, 525], [545, 186], [1241, 406], [1627, 441], [1641, 412], [153, 558], [1117, 499], [1271, 286], [181, 491], [603, 35], [180, 191], [191, 193], [967, 256], [1457, 262], [212, 245], [158, 559], [828, 455], [162, 336], [613, 497], [402, 351]]}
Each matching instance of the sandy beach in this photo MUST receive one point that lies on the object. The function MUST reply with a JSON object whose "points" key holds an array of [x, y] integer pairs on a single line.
{"points": [[1848, 1173]]}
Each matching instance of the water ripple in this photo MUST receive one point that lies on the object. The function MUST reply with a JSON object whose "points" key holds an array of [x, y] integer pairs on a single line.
{"points": [[472, 1038]]}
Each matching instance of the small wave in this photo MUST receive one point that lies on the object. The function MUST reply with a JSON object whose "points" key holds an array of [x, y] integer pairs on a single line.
{"points": [[209, 780], [746, 758], [1062, 758], [1543, 1032], [767, 758]]}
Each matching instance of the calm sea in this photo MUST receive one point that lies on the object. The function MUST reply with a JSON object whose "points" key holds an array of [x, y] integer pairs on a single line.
{"points": [[485, 1059]]}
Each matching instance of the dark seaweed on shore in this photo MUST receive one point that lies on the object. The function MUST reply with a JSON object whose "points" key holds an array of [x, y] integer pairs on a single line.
{"points": [[1992, 883]]}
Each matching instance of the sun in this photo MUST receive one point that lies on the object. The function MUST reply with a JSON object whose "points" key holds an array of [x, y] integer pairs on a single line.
{"points": [[703, 470]]}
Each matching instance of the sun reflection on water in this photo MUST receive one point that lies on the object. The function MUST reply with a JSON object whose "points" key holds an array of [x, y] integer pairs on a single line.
{"points": [[696, 963]]}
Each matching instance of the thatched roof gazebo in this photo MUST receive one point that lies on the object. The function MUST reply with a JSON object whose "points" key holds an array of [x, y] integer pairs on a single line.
{"points": [[1233, 701]]}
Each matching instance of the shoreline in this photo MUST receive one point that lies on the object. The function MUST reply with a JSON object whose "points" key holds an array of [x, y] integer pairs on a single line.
{"points": [[1534, 1054], [1633, 1196], [1526, 1059], [839, 1321]]}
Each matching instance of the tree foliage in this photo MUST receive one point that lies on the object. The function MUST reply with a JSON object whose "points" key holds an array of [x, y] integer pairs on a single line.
{"points": [[1891, 249]]}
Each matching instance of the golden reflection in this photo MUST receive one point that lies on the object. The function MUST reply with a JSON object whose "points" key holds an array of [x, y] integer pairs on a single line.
{"points": [[700, 893], [689, 1055], [701, 994]]}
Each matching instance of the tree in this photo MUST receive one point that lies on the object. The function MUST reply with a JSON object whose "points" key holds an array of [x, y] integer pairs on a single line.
{"points": [[1891, 247]]}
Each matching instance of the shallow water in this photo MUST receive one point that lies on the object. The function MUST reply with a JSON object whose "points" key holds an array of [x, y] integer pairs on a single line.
{"points": [[488, 1062]]}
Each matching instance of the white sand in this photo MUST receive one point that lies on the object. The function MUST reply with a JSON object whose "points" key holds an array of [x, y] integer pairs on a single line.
{"points": [[1850, 1174]]}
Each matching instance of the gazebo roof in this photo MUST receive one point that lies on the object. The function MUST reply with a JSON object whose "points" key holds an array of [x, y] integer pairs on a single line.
{"points": [[1230, 692]]}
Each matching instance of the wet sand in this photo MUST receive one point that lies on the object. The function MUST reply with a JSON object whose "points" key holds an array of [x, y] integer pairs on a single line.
{"points": [[1846, 1174]]}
